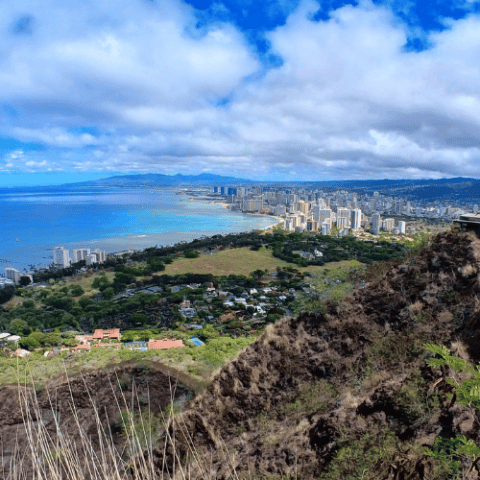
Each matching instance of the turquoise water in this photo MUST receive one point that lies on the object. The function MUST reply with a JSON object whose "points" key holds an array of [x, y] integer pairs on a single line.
{"points": [[113, 219]]}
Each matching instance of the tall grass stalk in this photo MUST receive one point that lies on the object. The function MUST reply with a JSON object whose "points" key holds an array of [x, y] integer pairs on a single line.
{"points": [[76, 455]]}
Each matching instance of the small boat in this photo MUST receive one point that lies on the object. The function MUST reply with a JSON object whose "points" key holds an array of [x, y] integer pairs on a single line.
{"points": [[18, 239]]}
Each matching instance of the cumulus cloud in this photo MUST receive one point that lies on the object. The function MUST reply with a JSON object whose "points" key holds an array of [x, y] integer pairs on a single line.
{"points": [[145, 88]]}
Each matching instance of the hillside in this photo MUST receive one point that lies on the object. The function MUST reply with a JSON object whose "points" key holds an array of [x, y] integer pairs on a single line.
{"points": [[344, 393], [341, 393]]}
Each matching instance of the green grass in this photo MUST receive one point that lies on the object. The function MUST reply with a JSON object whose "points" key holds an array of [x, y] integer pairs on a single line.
{"points": [[237, 261], [198, 362], [323, 291]]}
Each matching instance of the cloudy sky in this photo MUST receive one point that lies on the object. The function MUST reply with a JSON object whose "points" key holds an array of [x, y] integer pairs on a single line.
{"points": [[276, 89]]}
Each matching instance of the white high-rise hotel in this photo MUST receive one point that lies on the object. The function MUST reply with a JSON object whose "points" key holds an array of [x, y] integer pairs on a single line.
{"points": [[12, 274], [80, 254], [61, 258], [356, 219]]}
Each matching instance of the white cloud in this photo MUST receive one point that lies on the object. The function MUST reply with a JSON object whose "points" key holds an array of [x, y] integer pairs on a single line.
{"points": [[348, 101]]}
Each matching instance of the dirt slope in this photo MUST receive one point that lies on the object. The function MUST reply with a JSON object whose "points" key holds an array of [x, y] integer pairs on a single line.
{"points": [[59, 410], [351, 377]]}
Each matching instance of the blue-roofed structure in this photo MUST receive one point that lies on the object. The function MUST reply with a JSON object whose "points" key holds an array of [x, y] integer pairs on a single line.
{"points": [[196, 341]]}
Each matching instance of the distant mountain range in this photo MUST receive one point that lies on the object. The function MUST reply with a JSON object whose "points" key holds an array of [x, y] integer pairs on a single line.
{"points": [[445, 189], [152, 179]]}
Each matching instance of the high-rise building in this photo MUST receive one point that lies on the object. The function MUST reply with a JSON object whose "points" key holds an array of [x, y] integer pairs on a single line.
{"points": [[289, 224], [342, 223], [325, 228], [61, 258], [402, 227], [13, 274], [80, 254], [312, 226], [253, 204], [279, 210], [376, 223], [91, 259], [356, 219], [388, 224], [321, 214], [100, 255], [302, 207]]}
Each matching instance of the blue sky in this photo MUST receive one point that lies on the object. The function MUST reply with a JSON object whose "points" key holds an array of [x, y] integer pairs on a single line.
{"points": [[279, 89]]}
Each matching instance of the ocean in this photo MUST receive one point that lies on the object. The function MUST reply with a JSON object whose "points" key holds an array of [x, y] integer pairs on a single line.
{"points": [[34, 220]]}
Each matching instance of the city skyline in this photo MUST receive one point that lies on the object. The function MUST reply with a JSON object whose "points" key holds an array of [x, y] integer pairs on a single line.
{"points": [[294, 90]]}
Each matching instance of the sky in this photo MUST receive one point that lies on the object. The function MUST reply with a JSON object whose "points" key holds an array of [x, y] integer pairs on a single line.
{"points": [[270, 90]]}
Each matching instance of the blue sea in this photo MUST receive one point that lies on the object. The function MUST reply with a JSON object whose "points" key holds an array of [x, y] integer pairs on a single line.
{"points": [[33, 221]]}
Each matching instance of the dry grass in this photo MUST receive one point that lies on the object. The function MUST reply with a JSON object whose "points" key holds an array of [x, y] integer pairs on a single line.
{"points": [[237, 261], [13, 302], [86, 282], [54, 454]]}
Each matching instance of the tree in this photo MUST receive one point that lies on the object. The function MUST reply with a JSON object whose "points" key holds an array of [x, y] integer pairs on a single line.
{"points": [[6, 293], [76, 290], [29, 343], [140, 318], [19, 327], [108, 293], [24, 280], [191, 253]]}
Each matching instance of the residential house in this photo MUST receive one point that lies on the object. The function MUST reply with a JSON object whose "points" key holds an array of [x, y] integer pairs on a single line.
{"points": [[187, 312], [164, 344], [110, 334]]}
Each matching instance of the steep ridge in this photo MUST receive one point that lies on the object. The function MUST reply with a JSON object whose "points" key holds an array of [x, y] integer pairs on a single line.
{"points": [[344, 392]]}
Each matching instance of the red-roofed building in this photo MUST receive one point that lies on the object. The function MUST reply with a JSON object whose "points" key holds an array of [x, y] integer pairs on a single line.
{"points": [[164, 344], [82, 346], [113, 333]]}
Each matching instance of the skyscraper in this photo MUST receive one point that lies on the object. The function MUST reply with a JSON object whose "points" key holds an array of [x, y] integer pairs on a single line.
{"points": [[80, 254], [376, 222], [61, 258], [12, 274], [356, 219]]}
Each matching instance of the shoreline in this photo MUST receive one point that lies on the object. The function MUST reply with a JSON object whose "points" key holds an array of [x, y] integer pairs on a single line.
{"points": [[132, 242], [228, 205]]}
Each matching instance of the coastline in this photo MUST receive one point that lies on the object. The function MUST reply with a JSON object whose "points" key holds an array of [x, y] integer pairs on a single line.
{"points": [[228, 205], [39, 256]]}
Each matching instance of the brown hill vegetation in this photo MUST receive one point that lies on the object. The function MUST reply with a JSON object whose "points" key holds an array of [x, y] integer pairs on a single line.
{"points": [[343, 393], [84, 416]]}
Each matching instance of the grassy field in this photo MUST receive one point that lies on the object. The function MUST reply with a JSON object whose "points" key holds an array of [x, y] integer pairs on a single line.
{"points": [[199, 363], [240, 261], [86, 282]]}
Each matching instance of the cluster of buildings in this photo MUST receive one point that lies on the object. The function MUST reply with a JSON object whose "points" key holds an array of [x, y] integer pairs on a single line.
{"points": [[99, 339], [282, 201], [320, 211], [342, 211], [62, 259]]}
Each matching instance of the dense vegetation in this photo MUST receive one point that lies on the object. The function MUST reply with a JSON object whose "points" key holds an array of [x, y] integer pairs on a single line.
{"points": [[66, 305]]}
